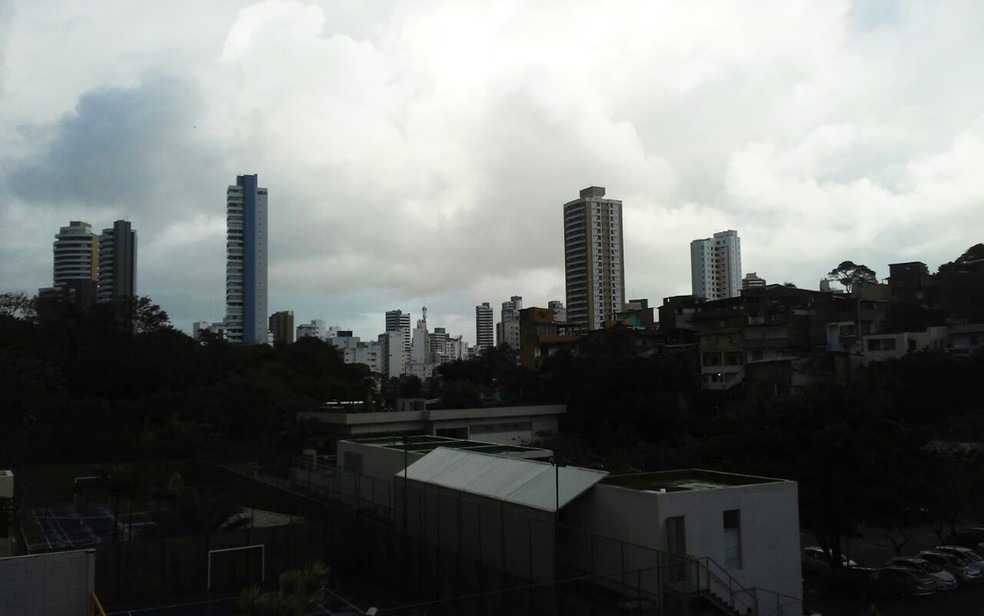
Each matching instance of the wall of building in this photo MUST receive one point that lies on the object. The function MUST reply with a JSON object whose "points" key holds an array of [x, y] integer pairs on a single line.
{"points": [[53, 584], [881, 347], [509, 537], [769, 528], [770, 554], [541, 419], [372, 461]]}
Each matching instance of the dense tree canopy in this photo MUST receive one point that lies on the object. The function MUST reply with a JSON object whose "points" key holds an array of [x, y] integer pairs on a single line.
{"points": [[116, 382]]}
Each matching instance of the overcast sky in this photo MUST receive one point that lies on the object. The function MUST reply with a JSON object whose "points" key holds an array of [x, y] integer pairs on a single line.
{"points": [[419, 153]]}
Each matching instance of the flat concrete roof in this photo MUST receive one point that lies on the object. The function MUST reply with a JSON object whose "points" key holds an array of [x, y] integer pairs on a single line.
{"points": [[425, 444], [685, 480], [388, 417]]}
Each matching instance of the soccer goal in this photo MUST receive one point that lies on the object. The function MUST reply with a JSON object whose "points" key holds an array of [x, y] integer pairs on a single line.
{"points": [[235, 568]]}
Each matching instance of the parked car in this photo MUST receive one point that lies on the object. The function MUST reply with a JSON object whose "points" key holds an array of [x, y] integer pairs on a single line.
{"points": [[965, 574], [854, 582], [972, 538], [969, 555], [816, 553], [892, 581], [944, 580]]}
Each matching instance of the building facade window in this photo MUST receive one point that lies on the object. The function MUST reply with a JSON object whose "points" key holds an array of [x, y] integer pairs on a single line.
{"points": [[732, 538]]}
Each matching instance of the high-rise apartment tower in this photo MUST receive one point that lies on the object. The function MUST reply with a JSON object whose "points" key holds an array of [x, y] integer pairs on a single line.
{"points": [[398, 321], [117, 262], [76, 251], [715, 266], [484, 329], [593, 258], [282, 327], [507, 329], [246, 261]]}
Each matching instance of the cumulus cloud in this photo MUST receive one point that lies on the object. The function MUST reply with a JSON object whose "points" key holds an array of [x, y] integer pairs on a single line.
{"points": [[114, 148], [420, 152]]}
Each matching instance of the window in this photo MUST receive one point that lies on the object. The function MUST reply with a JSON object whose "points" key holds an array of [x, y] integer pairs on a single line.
{"points": [[732, 538], [881, 344]]}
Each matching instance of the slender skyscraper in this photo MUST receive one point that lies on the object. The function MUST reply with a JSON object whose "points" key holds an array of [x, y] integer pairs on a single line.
{"points": [[117, 262], [484, 330], [246, 261], [715, 266], [593, 258]]}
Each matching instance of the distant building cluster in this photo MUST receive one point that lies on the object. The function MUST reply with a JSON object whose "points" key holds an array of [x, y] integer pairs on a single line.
{"points": [[594, 266], [734, 329], [90, 267]]}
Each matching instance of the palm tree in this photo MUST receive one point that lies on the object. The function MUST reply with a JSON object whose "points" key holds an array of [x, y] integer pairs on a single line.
{"points": [[301, 592]]}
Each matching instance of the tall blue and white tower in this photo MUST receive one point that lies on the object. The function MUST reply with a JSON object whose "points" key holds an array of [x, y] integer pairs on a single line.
{"points": [[246, 261]]}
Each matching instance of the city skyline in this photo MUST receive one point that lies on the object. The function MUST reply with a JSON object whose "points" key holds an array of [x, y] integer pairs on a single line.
{"points": [[419, 153]]}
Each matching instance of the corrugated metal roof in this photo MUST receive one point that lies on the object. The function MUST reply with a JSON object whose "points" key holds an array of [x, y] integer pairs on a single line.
{"points": [[523, 482]]}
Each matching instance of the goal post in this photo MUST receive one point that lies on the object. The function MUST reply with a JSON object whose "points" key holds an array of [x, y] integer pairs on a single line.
{"points": [[228, 556]]}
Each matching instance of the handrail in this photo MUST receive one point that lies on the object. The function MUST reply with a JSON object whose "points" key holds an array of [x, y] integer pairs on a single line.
{"points": [[95, 607], [737, 597]]}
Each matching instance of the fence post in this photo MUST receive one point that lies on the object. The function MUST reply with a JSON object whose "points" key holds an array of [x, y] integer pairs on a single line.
{"points": [[731, 591], [621, 545]]}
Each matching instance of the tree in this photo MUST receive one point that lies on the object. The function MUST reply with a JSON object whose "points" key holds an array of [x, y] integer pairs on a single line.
{"points": [[301, 593], [974, 253], [849, 273], [18, 305]]}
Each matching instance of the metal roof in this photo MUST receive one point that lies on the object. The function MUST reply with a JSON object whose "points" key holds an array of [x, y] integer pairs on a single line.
{"points": [[424, 443], [522, 482]]}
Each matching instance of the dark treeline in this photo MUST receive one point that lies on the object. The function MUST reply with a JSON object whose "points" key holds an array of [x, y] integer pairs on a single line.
{"points": [[87, 386]]}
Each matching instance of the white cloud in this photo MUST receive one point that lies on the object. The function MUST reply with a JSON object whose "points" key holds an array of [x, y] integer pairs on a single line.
{"points": [[419, 152]]}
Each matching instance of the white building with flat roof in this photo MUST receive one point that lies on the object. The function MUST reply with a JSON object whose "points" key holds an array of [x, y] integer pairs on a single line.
{"points": [[508, 425], [741, 526]]}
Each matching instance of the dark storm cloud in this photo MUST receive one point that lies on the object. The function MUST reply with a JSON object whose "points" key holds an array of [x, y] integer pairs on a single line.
{"points": [[112, 148]]}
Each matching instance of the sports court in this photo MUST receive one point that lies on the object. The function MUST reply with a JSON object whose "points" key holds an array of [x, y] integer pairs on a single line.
{"points": [[75, 526], [219, 607], [227, 607]]}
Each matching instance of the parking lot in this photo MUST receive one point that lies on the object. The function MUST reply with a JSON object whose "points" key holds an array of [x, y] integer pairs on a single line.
{"points": [[872, 549]]}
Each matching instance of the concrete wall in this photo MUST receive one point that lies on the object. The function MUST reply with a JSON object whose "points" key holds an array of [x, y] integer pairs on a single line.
{"points": [[376, 462], [613, 516], [54, 584], [769, 529], [509, 537]]}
